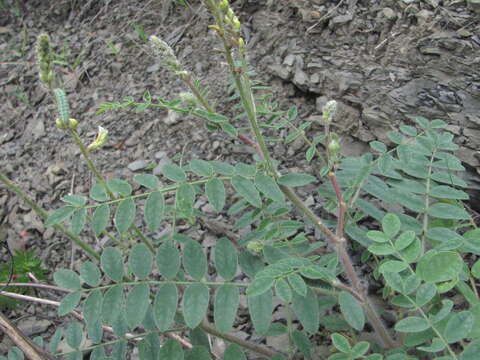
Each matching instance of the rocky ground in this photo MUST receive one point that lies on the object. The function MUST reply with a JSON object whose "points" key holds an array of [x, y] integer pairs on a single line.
{"points": [[385, 62]]}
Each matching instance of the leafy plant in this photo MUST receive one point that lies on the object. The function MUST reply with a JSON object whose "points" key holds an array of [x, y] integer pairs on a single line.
{"points": [[22, 263], [399, 206]]}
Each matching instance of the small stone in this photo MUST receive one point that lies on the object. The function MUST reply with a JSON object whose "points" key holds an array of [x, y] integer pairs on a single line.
{"points": [[137, 165], [208, 208], [423, 16], [389, 14], [160, 155], [301, 78], [283, 72], [171, 118], [289, 60], [315, 78], [33, 326], [474, 5], [341, 19], [158, 169]]}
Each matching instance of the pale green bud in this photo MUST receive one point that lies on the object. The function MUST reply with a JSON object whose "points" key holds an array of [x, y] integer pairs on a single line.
{"points": [[100, 140], [44, 60], [60, 124], [72, 124], [166, 54], [333, 147], [329, 111], [230, 13], [255, 247], [224, 5], [188, 98], [236, 23]]}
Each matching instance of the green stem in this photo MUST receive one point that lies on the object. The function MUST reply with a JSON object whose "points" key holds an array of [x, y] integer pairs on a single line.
{"points": [[427, 203], [233, 339], [43, 214], [89, 162], [438, 333]]}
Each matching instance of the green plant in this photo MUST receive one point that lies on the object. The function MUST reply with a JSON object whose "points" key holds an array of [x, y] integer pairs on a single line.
{"points": [[17, 270], [421, 254]]}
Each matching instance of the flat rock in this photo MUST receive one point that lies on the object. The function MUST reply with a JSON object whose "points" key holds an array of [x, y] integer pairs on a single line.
{"points": [[137, 165]]}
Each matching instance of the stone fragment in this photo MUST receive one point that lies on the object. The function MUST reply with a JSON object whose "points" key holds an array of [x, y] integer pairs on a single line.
{"points": [[283, 72], [389, 14], [137, 165], [300, 79], [172, 118]]}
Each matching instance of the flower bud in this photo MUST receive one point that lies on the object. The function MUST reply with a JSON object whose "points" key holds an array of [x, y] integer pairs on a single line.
{"points": [[236, 24], [100, 140], [72, 124], [329, 111], [224, 5], [255, 247], [230, 13], [60, 124], [166, 54], [45, 60], [188, 98], [333, 147]]}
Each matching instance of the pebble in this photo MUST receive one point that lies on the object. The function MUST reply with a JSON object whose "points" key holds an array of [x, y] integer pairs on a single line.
{"points": [[137, 165], [171, 118]]}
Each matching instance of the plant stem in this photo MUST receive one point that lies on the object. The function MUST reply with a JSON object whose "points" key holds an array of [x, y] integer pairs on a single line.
{"points": [[43, 214], [339, 245], [89, 162], [233, 339]]}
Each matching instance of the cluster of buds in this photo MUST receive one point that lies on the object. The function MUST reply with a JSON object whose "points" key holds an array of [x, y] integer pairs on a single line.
{"points": [[100, 140], [329, 110], [45, 60], [70, 124], [229, 17], [167, 56], [188, 99]]}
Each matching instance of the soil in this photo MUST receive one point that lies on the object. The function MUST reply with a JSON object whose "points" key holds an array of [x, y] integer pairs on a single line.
{"points": [[385, 62]]}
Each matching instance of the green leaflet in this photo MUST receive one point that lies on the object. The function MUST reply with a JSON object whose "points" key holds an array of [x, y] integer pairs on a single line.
{"points": [[60, 215], [227, 299], [226, 259], [215, 191], [412, 324], [165, 306], [74, 334], [77, 222], [246, 189], [171, 350], [201, 167], [140, 261], [67, 279], [168, 260], [269, 187], [439, 266], [147, 180], [194, 260], [195, 304], [113, 302], [136, 305], [69, 303], [307, 311], [154, 210], [125, 215], [121, 187], [234, 352], [112, 264], [174, 172], [92, 307], [100, 218], [261, 308]]}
